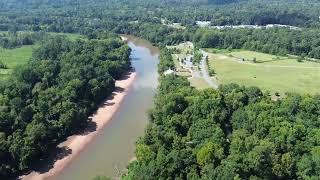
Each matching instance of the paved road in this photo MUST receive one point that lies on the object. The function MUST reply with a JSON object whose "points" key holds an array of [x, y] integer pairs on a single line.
{"points": [[204, 71]]}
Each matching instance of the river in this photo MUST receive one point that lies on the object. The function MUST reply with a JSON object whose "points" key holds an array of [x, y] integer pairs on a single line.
{"points": [[114, 147]]}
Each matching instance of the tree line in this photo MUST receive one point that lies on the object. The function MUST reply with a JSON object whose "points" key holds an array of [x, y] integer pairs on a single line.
{"points": [[52, 96], [62, 16], [11, 40], [143, 18], [277, 41], [234, 132]]}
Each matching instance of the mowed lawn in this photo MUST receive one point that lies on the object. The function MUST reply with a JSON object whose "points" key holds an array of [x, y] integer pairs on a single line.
{"points": [[198, 83], [272, 73], [14, 57]]}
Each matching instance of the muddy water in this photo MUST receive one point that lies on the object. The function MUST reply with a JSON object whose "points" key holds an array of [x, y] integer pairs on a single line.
{"points": [[110, 152]]}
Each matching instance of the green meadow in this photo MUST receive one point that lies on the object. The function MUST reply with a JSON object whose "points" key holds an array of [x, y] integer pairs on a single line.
{"points": [[269, 72], [14, 57], [21, 55]]}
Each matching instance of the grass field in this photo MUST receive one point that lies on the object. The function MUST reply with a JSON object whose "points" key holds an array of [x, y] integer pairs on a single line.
{"points": [[14, 57], [198, 83], [183, 54], [272, 73], [20, 56]]}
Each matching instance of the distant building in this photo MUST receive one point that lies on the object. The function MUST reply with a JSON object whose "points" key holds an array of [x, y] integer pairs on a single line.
{"points": [[203, 23], [255, 26]]}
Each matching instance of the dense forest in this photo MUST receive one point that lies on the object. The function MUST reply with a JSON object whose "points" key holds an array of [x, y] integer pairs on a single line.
{"points": [[144, 18], [278, 41], [54, 94], [64, 16], [234, 132], [18, 39]]}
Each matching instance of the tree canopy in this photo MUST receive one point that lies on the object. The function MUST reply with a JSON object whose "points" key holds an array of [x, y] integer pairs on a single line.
{"points": [[234, 132], [52, 96], [278, 41]]}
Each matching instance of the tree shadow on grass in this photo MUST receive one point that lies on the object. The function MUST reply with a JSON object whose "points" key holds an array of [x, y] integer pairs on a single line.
{"points": [[271, 60]]}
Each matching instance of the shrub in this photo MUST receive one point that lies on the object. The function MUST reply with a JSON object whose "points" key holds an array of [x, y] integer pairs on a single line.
{"points": [[3, 65]]}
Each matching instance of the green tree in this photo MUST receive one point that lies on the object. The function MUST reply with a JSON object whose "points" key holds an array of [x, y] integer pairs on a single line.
{"points": [[209, 153]]}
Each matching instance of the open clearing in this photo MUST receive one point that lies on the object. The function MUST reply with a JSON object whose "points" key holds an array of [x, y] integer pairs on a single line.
{"points": [[14, 57], [21, 55], [198, 83], [193, 74], [272, 73]]}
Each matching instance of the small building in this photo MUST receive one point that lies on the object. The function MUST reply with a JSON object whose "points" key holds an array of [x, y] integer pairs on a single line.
{"points": [[168, 72], [203, 23]]}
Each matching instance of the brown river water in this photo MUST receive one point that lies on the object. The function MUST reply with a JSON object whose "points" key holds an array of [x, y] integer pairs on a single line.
{"points": [[113, 147]]}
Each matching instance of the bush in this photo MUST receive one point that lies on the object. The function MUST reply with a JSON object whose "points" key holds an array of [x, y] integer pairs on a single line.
{"points": [[3, 65], [212, 72], [300, 59], [254, 60]]}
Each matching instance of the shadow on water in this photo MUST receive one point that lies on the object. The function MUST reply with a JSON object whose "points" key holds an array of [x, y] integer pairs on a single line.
{"points": [[135, 59]]}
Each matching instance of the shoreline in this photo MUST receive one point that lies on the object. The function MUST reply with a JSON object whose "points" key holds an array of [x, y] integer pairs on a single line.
{"points": [[101, 117]]}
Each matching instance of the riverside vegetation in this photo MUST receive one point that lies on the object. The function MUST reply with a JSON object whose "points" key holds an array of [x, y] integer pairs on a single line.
{"points": [[52, 96], [233, 132]]}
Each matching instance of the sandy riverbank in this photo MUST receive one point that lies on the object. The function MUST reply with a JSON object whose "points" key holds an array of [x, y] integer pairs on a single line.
{"points": [[77, 143]]}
